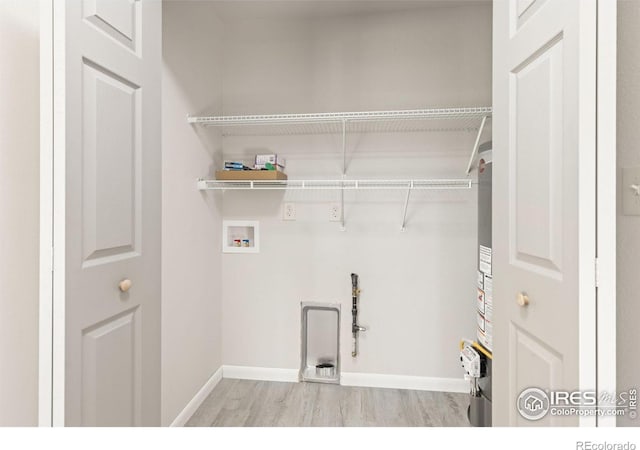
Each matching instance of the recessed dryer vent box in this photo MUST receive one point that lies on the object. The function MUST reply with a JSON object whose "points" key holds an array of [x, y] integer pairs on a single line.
{"points": [[240, 236], [320, 346]]}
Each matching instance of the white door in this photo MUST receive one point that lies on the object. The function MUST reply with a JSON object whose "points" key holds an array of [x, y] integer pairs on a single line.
{"points": [[106, 59], [544, 211]]}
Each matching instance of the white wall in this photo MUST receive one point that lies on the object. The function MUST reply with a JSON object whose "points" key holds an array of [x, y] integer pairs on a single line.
{"points": [[628, 226], [19, 211], [191, 285], [418, 287]]}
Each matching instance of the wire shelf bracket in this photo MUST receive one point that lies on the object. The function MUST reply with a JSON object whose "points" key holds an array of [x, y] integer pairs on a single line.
{"points": [[406, 207], [476, 145]]}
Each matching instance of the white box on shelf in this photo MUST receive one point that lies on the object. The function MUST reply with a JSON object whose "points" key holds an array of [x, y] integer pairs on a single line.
{"points": [[262, 160], [240, 236]]}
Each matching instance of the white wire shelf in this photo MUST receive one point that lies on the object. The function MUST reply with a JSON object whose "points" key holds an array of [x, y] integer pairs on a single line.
{"points": [[439, 119], [439, 184]]}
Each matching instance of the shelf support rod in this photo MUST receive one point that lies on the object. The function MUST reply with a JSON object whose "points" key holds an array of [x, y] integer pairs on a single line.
{"points": [[476, 144], [406, 207], [344, 172], [342, 226], [344, 147]]}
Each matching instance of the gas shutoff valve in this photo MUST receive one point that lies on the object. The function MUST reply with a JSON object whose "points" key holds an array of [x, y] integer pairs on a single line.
{"points": [[472, 365], [470, 359]]}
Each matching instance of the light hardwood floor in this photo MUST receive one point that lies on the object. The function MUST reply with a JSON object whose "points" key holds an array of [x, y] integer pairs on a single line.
{"points": [[237, 403]]}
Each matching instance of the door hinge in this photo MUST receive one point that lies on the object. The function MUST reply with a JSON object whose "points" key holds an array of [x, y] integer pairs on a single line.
{"points": [[597, 272]]}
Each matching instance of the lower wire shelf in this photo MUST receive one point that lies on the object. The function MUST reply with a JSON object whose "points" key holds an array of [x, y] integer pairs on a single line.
{"points": [[341, 185], [433, 184]]}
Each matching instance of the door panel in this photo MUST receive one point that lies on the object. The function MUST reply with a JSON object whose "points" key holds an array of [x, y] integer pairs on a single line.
{"points": [[523, 6], [108, 98], [111, 148], [527, 351], [111, 357], [543, 201], [523, 11], [536, 161], [116, 18]]}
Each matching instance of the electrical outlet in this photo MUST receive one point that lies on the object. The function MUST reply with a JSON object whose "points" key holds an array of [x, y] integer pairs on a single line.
{"points": [[335, 212], [289, 211]]}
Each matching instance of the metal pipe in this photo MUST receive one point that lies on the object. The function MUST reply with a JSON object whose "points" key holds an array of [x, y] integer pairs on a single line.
{"points": [[355, 328]]}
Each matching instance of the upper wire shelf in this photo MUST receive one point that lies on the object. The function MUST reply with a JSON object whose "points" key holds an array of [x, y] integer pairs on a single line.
{"points": [[438, 119]]}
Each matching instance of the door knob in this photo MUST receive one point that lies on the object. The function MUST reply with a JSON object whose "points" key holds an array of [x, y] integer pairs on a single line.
{"points": [[125, 285], [523, 299]]}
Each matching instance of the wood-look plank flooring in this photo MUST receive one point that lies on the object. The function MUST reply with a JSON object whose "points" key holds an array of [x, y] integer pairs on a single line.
{"points": [[245, 403]]}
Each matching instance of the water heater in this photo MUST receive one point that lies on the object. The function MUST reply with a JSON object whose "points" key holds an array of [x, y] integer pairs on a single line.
{"points": [[476, 357], [484, 313]]}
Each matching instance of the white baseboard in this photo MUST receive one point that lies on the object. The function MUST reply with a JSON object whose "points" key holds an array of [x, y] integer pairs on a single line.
{"points": [[260, 373], [353, 379], [404, 382], [197, 400]]}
